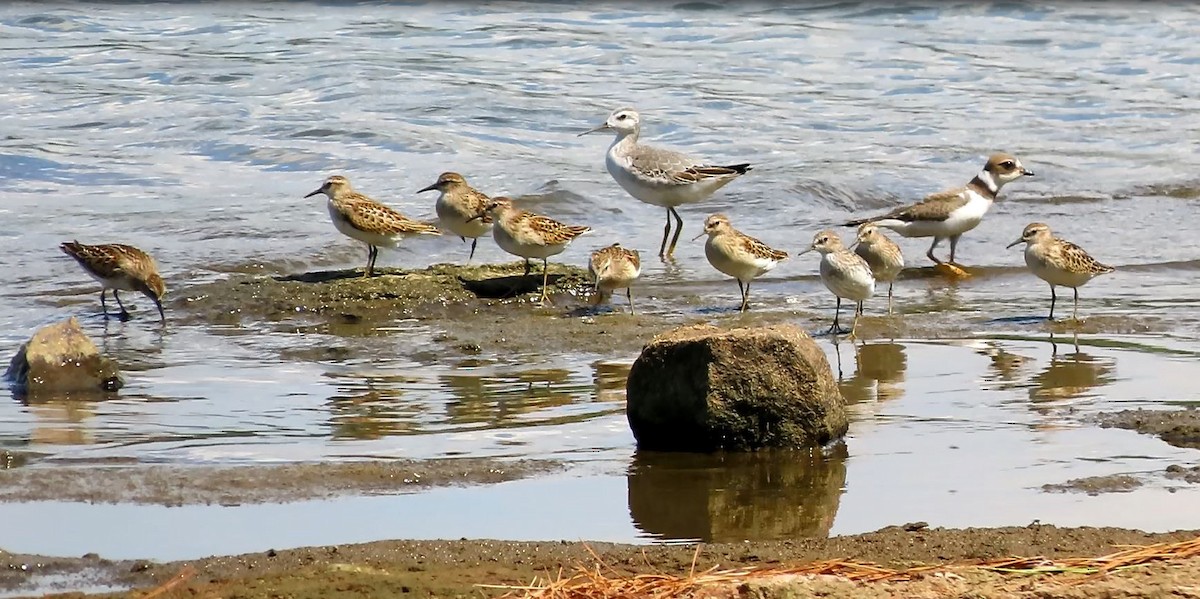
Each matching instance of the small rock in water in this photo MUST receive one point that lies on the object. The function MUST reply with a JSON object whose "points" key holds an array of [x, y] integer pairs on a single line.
{"points": [[60, 359], [701, 388]]}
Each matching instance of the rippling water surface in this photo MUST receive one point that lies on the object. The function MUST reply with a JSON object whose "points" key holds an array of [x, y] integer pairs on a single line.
{"points": [[193, 132]]}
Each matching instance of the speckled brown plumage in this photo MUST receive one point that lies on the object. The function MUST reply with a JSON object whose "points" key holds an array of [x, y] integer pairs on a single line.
{"points": [[738, 255], [119, 267], [882, 254], [530, 235], [461, 209], [1058, 262], [360, 217], [615, 267]]}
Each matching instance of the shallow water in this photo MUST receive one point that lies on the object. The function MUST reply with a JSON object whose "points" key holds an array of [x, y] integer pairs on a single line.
{"points": [[194, 133], [954, 434]]}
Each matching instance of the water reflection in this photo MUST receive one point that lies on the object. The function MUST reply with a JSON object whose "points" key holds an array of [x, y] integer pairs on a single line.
{"points": [[1006, 369], [878, 371], [1071, 374], [62, 422], [609, 379], [498, 399], [375, 405], [731, 497], [372, 407]]}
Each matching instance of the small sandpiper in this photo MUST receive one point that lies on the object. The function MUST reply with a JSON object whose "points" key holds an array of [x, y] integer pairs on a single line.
{"points": [[882, 255], [659, 176], [1058, 262], [359, 217], [615, 267], [530, 235], [844, 273], [458, 207], [120, 267], [736, 254], [951, 213]]}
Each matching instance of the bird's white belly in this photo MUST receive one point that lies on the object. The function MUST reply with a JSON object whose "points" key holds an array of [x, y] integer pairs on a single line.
{"points": [[658, 193], [855, 284], [453, 220], [960, 221], [345, 228], [611, 282], [1055, 276], [727, 264], [525, 250]]}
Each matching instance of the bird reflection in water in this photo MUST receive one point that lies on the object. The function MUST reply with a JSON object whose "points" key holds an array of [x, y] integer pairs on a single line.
{"points": [[878, 371], [609, 379], [1070, 374]]}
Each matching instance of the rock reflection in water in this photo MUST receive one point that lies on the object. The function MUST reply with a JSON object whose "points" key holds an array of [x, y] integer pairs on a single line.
{"points": [[729, 497], [878, 372], [62, 422], [1070, 374]]}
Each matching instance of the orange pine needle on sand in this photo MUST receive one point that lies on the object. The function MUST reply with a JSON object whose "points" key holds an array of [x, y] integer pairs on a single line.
{"points": [[589, 583]]}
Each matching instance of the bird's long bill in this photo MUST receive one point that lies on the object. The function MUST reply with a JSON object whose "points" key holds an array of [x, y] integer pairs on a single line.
{"points": [[1009, 246], [425, 189], [477, 217], [594, 129], [805, 251], [702, 234], [313, 193]]}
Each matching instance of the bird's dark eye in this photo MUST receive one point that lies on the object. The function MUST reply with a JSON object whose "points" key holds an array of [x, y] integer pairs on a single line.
{"points": [[621, 117], [1007, 164]]}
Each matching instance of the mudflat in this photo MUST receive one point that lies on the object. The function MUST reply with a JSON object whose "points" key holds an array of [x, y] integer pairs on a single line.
{"points": [[459, 568]]}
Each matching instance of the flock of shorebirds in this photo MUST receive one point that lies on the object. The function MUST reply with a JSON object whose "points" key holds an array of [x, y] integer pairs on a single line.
{"points": [[669, 179]]}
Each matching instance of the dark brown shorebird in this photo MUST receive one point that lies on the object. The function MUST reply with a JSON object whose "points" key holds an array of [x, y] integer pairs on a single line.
{"points": [[614, 267], [120, 267]]}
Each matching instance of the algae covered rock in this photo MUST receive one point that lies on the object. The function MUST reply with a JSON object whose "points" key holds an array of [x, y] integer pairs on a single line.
{"points": [[60, 359], [701, 388]]}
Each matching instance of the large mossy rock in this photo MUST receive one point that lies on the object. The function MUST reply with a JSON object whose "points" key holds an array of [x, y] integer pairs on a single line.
{"points": [[60, 359], [701, 388]]}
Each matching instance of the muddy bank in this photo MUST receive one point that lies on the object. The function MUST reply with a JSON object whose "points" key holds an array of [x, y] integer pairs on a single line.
{"points": [[492, 308], [390, 293], [1180, 428], [235, 485], [1096, 485], [454, 568]]}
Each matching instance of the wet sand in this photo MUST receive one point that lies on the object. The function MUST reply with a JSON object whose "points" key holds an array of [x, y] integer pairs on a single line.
{"points": [[454, 568], [237, 485]]}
